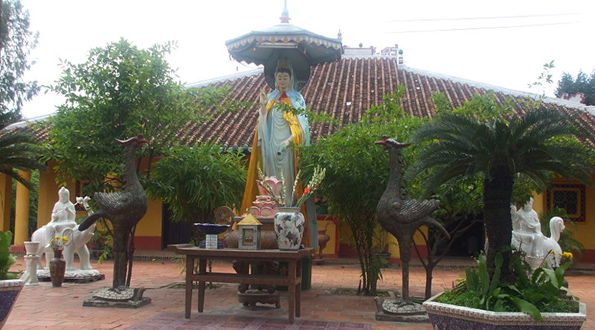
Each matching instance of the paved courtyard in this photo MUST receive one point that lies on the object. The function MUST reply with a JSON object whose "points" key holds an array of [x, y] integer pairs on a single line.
{"points": [[46, 307]]}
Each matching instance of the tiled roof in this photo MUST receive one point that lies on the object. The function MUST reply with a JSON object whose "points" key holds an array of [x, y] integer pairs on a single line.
{"points": [[345, 89]]}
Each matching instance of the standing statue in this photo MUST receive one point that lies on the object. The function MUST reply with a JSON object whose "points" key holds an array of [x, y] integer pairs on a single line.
{"points": [[279, 128], [401, 216], [124, 209]]}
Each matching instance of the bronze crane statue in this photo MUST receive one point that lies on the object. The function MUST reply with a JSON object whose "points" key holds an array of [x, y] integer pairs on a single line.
{"points": [[123, 208], [401, 216]]}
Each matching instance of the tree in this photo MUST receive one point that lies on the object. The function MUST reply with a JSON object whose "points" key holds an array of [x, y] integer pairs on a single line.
{"points": [[119, 92], [18, 150], [194, 181], [461, 201], [499, 149], [583, 83], [16, 43], [356, 175]]}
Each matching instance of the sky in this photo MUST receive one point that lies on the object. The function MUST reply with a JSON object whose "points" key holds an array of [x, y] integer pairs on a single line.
{"points": [[503, 43]]}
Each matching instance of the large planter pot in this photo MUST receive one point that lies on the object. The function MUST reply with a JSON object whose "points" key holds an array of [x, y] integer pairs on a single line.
{"points": [[9, 292], [451, 317], [289, 227]]}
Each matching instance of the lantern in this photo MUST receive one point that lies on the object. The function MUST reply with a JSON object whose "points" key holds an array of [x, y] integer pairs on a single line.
{"points": [[249, 236]]}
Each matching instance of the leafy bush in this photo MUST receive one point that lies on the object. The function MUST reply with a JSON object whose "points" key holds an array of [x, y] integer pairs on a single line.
{"points": [[6, 259], [541, 291]]}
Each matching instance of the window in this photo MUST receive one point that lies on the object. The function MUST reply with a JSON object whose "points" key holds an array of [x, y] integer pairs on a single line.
{"points": [[570, 197]]}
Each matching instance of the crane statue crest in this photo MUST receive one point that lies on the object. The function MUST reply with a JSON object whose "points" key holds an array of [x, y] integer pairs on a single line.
{"points": [[401, 216], [124, 209]]}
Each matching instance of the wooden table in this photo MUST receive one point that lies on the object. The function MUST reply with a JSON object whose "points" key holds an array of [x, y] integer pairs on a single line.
{"points": [[292, 279]]}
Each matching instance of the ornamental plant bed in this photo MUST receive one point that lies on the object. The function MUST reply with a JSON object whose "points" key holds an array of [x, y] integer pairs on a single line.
{"points": [[535, 301], [452, 317]]}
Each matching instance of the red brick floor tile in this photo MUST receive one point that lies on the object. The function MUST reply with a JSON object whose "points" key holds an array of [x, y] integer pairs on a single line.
{"points": [[45, 307]]}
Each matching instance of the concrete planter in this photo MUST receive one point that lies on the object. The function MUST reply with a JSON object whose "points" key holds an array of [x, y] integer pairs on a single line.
{"points": [[451, 317], [9, 292]]}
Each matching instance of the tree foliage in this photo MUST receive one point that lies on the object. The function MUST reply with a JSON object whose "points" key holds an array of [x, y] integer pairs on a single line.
{"points": [[16, 43], [499, 149], [461, 201], [119, 92], [194, 181], [357, 172], [583, 83], [18, 150]]}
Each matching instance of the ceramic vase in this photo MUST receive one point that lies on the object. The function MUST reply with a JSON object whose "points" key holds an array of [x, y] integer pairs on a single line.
{"points": [[323, 238], [289, 227], [57, 268]]}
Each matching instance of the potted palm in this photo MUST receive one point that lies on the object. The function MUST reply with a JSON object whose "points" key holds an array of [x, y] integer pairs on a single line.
{"points": [[9, 288], [499, 149]]}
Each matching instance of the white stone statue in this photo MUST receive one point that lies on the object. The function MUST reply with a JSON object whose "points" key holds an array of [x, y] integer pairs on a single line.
{"points": [[63, 224], [551, 243], [527, 236], [63, 215]]}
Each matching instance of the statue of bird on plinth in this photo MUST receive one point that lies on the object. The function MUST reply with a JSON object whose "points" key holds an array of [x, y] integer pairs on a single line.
{"points": [[401, 216], [124, 208]]}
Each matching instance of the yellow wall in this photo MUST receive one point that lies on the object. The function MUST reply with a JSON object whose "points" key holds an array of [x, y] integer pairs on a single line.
{"points": [[584, 230], [150, 224]]}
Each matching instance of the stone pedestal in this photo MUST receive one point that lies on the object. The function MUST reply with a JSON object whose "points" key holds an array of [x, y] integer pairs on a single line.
{"points": [[31, 261], [30, 276]]}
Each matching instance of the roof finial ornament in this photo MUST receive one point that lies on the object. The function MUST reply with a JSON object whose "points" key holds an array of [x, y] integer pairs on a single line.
{"points": [[285, 13]]}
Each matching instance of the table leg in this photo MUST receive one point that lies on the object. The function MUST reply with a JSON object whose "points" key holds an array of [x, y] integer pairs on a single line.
{"points": [[291, 290], [298, 289], [189, 270], [202, 269]]}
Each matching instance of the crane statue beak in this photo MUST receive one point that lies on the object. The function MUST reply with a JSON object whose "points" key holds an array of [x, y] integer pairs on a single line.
{"points": [[382, 142]]}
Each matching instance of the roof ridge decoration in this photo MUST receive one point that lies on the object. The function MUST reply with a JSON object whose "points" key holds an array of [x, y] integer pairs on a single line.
{"points": [[285, 13]]}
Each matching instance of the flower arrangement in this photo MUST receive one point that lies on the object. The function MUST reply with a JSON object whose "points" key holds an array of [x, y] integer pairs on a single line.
{"points": [[278, 194], [59, 242], [566, 257]]}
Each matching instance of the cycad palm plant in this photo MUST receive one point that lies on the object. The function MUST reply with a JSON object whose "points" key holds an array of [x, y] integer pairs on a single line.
{"points": [[500, 149], [17, 150]]}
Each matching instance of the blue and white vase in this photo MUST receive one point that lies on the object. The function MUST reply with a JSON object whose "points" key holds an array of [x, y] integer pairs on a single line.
{"points": [[289, 227]]}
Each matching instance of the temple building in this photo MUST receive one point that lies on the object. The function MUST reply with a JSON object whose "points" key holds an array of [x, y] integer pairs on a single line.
{"points": [[344, 90]]}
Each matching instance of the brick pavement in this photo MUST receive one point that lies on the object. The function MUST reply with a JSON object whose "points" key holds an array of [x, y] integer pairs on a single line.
{"points": [[45, 307]]}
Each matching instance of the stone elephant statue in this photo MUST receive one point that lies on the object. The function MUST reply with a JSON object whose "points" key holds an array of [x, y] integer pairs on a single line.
{"points": [[78, 244]]}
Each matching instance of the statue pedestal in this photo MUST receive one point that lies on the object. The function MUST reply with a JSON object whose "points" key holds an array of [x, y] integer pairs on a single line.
{"points": [[30, 276]]}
